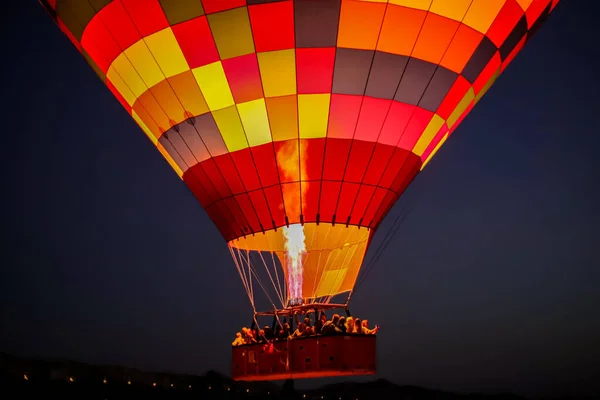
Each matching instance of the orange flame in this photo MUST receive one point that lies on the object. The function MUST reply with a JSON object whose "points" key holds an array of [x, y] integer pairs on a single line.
{"points": [[292, 166]]}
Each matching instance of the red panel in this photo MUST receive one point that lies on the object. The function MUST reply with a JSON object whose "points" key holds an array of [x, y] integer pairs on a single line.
{"points": [[196, 42], [288, 160], [311, 152], [330, 192], [343, 114], [314, 69], [454, 96], [365, 193], [245, 166], [513, 53], [214, 212], [258, 200], [99, 44], [487, 73], [272, 26], [52, 3], [407, 174], [336, 156], [372, 116], [119, 23], [378, 164], [206, 183], [504, 23], [116, 93], [360, 155], [228, 222], [393, 169], [245, 204], [275, 201], [229, 171], [346, 202], [213, 6], [264, 158], [147, 16], [213, 173], [374, 205], [192, 182], [310, 200], [415, 128], [67, 32], [238, 221], [292, 201], [434, 142], [387, 203], [535, 10], [396, 122], [243, 76]]}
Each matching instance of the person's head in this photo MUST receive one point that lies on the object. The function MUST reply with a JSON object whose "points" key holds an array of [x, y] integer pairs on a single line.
{"points": [[308, 330], [349, 321], [301, 326], [323, 318], [357, 322], [365, 323], [238, 335], [335, 319], [307, 321], [261, 332], [245, 330], [342, 321]]}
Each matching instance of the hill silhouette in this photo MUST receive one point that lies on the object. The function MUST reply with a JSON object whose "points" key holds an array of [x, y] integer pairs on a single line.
{"points": [[78, 380]]}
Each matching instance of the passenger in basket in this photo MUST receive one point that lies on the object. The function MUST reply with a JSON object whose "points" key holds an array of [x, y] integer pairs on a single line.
{"points": [[238, 341], [331, 327], [366, 330], [342, 324], [349, 325]]}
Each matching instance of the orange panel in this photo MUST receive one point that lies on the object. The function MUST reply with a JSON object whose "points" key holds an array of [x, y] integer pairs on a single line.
{"points": [[400, 29], [359, 24], [461, 48], [187, 90], [165, 96], [435, 37], [283, 117]]}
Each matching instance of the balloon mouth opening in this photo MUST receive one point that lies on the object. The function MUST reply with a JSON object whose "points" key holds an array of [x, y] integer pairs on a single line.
{"points": [[313, 260]]}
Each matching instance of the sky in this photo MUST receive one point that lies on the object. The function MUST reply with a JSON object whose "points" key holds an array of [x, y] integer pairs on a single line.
{"points": [[491, 283]]}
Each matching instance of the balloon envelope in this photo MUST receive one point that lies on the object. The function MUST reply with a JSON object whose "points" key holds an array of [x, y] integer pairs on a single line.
{"points": [[313, 112]]}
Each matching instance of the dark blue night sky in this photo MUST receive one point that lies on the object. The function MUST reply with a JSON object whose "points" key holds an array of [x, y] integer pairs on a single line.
{"points": [[492, 282]]}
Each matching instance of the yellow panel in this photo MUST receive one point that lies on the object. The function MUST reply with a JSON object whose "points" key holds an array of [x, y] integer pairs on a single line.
{"points": [[143, 62], [524, 4], [169, 159], [462, 106], [278, 72], [482, 13], [167, 52], [129, 76], [256, 124], [428, 134], [142, 125], [487, 85], [313, 113], [454, 9], [418, 4], [213, 83], [331, 280], [435, 150], [232, 33], [230, 126], [113, 76]]}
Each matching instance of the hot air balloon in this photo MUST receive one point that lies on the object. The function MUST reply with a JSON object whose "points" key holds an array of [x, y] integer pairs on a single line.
{"points": [[297, 125]]}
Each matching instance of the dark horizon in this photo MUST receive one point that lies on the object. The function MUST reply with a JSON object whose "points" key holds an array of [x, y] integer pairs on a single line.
{"points": [[489, 285]]}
